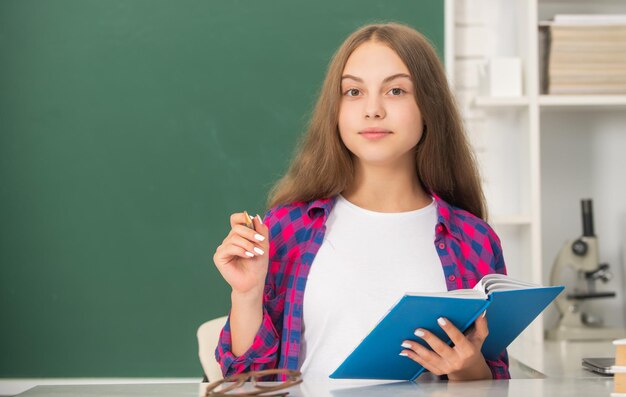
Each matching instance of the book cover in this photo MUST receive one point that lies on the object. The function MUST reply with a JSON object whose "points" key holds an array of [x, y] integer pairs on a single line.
{"points": [[509, 312]]}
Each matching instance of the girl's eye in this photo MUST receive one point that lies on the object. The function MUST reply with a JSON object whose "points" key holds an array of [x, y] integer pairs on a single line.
{"points": [[355, 92]]}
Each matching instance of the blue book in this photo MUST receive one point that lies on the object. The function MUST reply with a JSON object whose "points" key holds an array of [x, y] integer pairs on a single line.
{"points": [[511, 306]]}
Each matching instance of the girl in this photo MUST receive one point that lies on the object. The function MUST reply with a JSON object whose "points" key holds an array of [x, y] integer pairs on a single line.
{"points": [[383, 197]]}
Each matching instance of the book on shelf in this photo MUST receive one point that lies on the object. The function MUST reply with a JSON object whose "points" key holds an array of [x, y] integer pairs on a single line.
{"points": [[511, 305], [583, 54], [588, 89], [585, 77]]}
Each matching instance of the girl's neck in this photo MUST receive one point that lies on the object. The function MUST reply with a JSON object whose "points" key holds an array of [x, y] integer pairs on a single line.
{"points": [[386, 189]]}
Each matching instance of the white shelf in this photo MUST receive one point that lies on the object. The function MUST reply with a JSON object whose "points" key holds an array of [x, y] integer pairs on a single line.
{"points": [[485, 101], [511, 220], [547, 101], [468, 22], [582, 101]]}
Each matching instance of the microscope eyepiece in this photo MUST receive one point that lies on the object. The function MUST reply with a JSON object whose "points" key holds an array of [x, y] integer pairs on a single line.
{"points": [[587, 212]]}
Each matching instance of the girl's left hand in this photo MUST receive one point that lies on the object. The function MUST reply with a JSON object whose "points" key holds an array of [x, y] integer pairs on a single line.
{"points": [[464, 361]]}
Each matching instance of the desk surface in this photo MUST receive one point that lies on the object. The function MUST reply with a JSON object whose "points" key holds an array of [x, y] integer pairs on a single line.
{"points": [[558, 373], [510, 388], [561, 359]]}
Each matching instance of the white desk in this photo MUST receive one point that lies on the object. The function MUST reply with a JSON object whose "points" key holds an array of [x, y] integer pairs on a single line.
{"points": [[511, 388], [558, 374], [559, 359]]}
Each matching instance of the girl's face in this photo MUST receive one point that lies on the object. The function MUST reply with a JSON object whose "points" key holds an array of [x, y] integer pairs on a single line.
{"points": [[378, 95]]}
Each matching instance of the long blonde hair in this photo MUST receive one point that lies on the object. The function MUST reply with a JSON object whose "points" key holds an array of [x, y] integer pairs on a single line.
{"points": [[323, 166]]}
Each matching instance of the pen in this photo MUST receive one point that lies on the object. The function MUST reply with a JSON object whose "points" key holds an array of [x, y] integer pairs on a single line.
{"points": [[249, 222]]}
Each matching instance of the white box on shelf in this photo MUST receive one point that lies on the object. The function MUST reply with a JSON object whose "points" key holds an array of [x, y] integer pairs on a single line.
{"points": [[504, 77]]}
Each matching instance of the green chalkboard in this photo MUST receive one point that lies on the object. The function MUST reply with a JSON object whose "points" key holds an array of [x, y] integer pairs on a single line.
{"points": [[129, 132]]}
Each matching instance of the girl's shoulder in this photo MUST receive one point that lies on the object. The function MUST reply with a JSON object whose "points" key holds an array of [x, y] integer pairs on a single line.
{"points": [[304, 212], [281, 211], [292, 224]]}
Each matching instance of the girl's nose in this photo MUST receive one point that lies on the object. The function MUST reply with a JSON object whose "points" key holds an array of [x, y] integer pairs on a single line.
{"points": [[374, 109]]}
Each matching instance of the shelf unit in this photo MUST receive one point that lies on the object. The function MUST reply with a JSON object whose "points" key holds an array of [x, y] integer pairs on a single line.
{"points": [[533, 149], [546, 102], [549, 103], [485, 101]]}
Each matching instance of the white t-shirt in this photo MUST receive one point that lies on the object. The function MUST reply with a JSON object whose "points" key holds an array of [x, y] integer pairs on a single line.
{"points": [[366, 263]]}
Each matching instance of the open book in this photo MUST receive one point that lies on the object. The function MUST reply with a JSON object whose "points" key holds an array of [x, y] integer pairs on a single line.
{"points": [[511, 306]]}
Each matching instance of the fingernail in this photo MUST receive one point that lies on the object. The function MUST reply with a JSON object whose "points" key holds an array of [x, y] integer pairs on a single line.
{"points": [[250, 254], [259, 237], [259, 218], [441, 321], [406, 345], [419, 333], [258, 250], [404, 354], [484, 313]]}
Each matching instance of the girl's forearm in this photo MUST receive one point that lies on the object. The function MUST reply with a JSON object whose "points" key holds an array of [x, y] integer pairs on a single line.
{"points": [[246, 316]]}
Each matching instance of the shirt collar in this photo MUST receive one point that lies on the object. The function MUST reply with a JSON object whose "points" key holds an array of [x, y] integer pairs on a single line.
{"points": [[445, 212], [325, 205]]}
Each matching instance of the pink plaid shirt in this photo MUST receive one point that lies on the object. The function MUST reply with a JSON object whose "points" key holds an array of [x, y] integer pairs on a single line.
{"points": [[468, 249]]}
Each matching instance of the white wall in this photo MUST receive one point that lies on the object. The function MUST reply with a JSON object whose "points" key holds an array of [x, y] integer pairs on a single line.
{"points": [[584, 156]]}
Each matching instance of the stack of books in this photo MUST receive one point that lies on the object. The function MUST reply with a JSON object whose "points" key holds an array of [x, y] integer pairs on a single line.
{"points": [[585, 54]]}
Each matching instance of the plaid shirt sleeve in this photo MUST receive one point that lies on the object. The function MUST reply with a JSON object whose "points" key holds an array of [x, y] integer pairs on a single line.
{"points": [[500, 367], [263, 354]]}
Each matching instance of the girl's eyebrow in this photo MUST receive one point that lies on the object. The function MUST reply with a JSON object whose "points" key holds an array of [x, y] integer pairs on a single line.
{"points": [[387, 79]]}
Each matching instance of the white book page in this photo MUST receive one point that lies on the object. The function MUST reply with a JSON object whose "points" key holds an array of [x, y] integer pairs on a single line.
{"points": [[488, 284], [458, 293], [500, 282]]}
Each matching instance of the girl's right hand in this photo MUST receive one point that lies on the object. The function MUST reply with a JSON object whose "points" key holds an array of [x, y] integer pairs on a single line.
{"points": [[243, 256]]}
